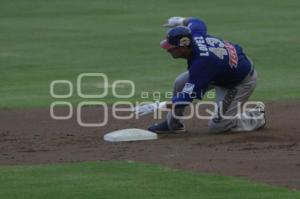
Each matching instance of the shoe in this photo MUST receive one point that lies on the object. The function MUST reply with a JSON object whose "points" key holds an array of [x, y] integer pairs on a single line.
{"points": [[163, 128], [262, 110]]}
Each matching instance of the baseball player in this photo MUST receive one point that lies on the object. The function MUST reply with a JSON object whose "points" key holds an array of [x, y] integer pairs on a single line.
{"points": [[212, 63]]}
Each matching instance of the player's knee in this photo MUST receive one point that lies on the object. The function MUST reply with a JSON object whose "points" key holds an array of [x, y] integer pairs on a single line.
{"points": [[180, 82]]}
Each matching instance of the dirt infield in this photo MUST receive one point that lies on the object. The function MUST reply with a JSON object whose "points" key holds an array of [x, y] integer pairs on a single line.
{"points": [[271, 155]]}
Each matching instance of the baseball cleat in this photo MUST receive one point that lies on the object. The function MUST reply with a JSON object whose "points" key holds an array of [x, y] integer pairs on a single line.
{"points": [[262, 110], [163, 128], [260, 107]]}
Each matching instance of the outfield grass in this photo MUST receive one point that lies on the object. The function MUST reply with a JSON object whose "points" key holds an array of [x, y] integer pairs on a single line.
{"points": [[42, 41], [115, 180]]}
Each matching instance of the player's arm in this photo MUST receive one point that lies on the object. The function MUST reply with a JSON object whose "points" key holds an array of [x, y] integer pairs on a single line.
{"points": [[199, 77], [195, 25], [144, 109], [195, 88]]}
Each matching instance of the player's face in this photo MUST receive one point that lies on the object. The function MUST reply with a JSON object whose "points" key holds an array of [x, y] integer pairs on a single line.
{"points": [[179, 52]]}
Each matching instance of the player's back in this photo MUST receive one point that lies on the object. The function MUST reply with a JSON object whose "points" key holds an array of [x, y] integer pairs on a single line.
{"points": [[224, 63]]}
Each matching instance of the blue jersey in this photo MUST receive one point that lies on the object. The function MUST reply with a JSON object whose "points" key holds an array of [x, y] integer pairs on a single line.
{"points": [[214, 61]]}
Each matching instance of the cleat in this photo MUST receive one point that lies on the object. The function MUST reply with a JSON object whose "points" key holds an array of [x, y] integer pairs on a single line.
{"points": [[163, 128], [261, 110]]}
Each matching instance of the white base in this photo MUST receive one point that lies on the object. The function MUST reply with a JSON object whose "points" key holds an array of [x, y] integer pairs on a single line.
{"points": [[129, 135]]}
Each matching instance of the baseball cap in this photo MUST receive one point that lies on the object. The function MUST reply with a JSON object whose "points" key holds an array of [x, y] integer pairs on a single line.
{"points": [[179, 36], [166, 45]]}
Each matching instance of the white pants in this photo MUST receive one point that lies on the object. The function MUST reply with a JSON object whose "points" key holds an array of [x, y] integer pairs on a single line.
{"points": [[228, 102]]}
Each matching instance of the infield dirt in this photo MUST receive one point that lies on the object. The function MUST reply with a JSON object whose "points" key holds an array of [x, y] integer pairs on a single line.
{"points": [[270, 155]]}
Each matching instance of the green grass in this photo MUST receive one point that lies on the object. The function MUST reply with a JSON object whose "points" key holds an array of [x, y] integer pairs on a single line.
{"points": [[42, 41], [116, 180]]}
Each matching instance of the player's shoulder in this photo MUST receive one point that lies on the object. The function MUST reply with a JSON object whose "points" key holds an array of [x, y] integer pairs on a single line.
{"points": [[196, 25]]}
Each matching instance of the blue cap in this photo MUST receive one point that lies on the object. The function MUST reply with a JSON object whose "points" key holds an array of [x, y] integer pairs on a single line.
{"points": [[179, 36]]}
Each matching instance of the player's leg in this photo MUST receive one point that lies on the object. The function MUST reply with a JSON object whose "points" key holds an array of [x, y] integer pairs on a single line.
{"points": [[179, 84], [250, 119], [223, 99], [172, 124], [229, 105]]}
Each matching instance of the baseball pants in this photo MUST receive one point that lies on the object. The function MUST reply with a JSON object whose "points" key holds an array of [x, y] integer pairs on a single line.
{"points": [[228, 102]]}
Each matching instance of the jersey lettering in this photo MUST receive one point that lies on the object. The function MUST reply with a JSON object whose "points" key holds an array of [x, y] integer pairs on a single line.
{"points": [[233, 58], [218, 47], [201, 46]]}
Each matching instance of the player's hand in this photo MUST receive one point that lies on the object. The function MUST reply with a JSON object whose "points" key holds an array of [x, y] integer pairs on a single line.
{"points": [[174, 21], [149, 108]]}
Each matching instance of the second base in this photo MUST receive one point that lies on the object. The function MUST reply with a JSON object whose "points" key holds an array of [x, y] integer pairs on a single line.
{"points": [[129, 135]]}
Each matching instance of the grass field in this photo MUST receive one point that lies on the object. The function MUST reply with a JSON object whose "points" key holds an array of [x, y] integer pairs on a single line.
{"points": [[126, 180], [42, 41]]}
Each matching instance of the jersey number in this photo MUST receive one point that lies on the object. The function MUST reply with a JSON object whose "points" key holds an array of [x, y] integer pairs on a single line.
{"points": [[221, 49]]}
